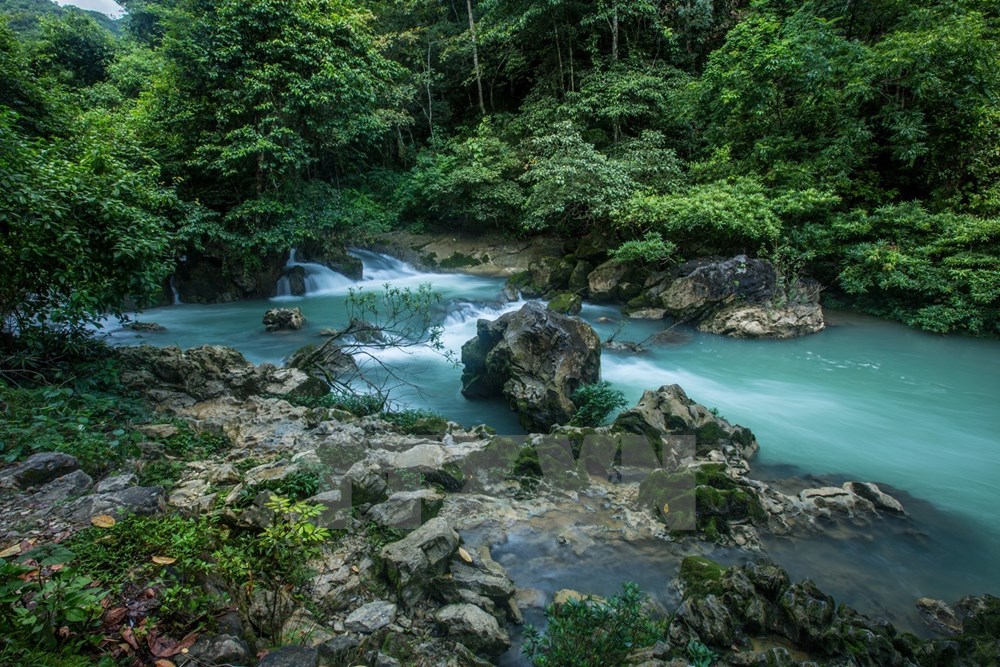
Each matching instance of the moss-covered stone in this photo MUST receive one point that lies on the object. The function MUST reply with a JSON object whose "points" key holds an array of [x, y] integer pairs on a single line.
{"points": [[458, 261], [721, 500], [527, 464], [566, 303], [701, 576], [427, 426], [710, 433]]}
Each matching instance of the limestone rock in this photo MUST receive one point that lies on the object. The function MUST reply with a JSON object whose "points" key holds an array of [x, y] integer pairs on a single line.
{"points": [[872, 493], [939, 616], [208, 372], [296, 280], [709, 283], [215, 276], [668, 411], [765, 321], [407, 509], [535, 358], [116, 483], [414, 560], [469, 625], [370, 617], [337, 649], [64, 488], [326, 362], [291, 656], [578, 279], [566, 303], [303, 628], [42, 468], [144, 327], [612, 281], [217, 650], [550, 274], [141, 500], [279, 319]]}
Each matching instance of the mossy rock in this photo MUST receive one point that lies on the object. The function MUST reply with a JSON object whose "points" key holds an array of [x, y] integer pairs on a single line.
{"points": [[671, 497], [427, 426], [566, 303], [721, 500], [701, 576], [527, 464], [710, 434], [450, 477], [459, 261]]}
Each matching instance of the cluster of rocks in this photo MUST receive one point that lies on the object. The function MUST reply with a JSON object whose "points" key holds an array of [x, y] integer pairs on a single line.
{"points": [[732, 507], [48, 494], [757, 616], [422, 596], [738, 296]]}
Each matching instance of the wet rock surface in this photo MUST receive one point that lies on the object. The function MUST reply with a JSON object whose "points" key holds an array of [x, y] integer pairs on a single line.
{"points": [[401, 585], [280, 319], [536, 359]]}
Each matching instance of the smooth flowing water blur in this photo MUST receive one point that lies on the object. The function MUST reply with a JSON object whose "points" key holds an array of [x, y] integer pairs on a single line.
{"points": [[865, 400]]}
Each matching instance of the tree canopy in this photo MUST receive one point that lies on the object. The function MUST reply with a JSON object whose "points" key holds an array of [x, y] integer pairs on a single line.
{"points": [[863, 137]]}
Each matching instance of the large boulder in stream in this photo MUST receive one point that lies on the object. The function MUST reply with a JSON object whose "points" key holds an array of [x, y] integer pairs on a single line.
{"points": [[536, 359], [706, 284], [669, 412], [738, 297], [753, 320]]}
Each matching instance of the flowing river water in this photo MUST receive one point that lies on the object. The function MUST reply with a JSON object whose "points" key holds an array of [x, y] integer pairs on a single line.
{"points": [[863, 400]]}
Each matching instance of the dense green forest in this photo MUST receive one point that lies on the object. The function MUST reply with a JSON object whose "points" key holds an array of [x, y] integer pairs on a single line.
{"points": [[858, 139]]}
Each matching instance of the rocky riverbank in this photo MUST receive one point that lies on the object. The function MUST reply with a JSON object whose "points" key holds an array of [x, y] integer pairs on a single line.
{"points": [[396, 585], [739, 296]]}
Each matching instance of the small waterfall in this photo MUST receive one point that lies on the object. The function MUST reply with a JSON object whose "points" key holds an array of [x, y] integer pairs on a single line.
{"points": [[382, 268], [319, 280], [173, 290]]}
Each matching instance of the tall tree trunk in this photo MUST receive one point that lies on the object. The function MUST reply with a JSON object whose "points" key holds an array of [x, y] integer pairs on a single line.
{"points": [[562, 77], [572, 76], [614, 35], [430, 99], [475, 57]]}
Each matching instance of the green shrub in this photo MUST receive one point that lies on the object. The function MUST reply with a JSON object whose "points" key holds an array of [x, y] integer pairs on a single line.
{"points": [[91, 425], [589, 633], [651, 249], [40, 595], [595, 402]]}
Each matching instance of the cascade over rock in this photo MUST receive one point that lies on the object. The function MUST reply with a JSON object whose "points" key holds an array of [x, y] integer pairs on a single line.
{"points": [[536, 359]]}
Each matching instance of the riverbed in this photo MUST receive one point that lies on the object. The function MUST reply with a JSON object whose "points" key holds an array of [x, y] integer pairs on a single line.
{"points": [[864, 400]]}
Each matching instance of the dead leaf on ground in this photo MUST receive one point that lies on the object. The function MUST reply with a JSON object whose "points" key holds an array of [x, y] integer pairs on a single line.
{"points": [[163, 663], [10, 551], [164, 560], [129, 637], [465, 555], [103, 521], [115, 616]]}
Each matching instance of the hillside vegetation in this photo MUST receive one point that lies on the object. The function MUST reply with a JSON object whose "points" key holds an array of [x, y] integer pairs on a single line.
{"points": [[860, 140]]}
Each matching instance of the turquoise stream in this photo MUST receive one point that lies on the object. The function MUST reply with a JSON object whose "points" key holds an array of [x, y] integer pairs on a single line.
{"points": [[865, 400]]}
